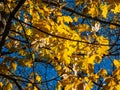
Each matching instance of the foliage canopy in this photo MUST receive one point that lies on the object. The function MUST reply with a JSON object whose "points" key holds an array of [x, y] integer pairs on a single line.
{"points": [[73, 36]]}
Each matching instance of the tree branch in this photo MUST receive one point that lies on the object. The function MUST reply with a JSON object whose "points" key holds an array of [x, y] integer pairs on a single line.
{"points": [[81, 14], [17, 39], [7, 27], [63, 37], [13, 79]]}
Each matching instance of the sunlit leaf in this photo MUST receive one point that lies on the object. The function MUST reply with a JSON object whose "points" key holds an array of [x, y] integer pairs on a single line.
{"points": [[59, 86], [68, 87], [89, 85], [75, 19], [93, 10], [116, 73], [29, 32], [1, 84], [9, 86], [111, 83], [116, 63], [67, 19], [14, 65], [104, 9], [117, 87], [83, 27], [116, 9], [112, 26], [102, 72], [78, 2], [38, 78], [35, 88]]}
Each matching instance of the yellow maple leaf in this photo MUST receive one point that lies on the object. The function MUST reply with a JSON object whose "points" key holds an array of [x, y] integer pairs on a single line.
{"points": [[116, 9], [60, 19], [117, 87], [78, 2], [75, 18], [91, 59], [25, 62], [9, 45], [29, 84], [116, 63], [93, 10], [35, 88], [28, 63], [83, 27], [22, 52], [1, 84], [59, 86], [14, 65], [38, 78], [8, 86], [29, 32], [68, 87], [45, 8], [116, 73], [102, 72], [112, 27], [65, 57], [58, 67], [104, 9], [89, 85], [67, 19], [111, 83], [31, 8]]}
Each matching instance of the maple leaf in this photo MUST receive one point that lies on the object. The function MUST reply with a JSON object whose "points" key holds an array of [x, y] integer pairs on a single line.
{"points": [[68, 87], [67, 19], [14, 65], [78, 2], [116, 9], [75, 19], [26, 62], [102, 72], [111, 82], [8, 86], [1, 84], [104, 8], [89, 85], [91, 59], [117, 87], [35, 88], [82, 28], [58, 67], [29, 32], [59, 86], [93, 10], [116, 63], [38, 78]]}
